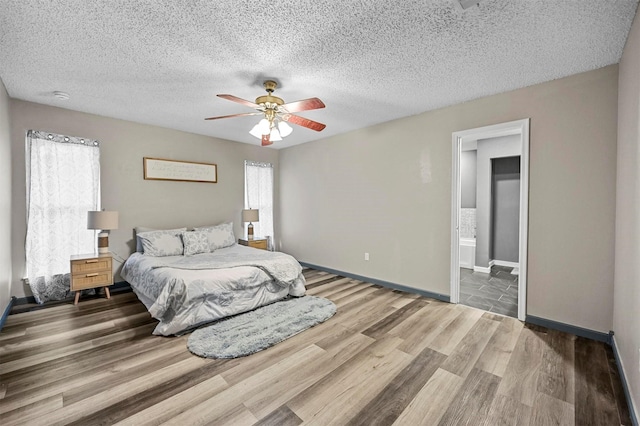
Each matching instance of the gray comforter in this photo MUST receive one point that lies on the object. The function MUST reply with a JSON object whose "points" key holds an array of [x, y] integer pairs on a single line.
{"points": [[185, 291]]}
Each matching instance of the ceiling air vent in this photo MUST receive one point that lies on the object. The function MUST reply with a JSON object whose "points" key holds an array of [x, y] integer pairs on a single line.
{"points": [[466, 4], [61, 95]]}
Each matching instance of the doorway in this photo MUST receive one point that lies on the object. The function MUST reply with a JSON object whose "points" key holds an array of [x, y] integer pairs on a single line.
{"points": [[489, 226]]}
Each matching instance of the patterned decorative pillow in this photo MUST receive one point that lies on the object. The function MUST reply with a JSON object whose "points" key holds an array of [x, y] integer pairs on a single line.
{"points": [[195, 242], [219, 236], [162, 243]]}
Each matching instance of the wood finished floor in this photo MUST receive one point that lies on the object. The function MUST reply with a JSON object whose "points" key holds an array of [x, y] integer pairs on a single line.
{"points": [[386, 357]]}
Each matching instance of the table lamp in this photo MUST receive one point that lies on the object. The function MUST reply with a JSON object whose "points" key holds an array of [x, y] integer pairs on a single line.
{"points": [[104, 221], [250, 215]]}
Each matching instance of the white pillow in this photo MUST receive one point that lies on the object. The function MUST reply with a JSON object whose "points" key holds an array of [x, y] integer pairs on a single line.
{"points": [[195, 242], [162, 242], [219, 236], [138, 230]]}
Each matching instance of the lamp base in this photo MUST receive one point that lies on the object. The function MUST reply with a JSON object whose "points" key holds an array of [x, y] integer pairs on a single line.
{"points": [[103, 242], [250, 231]]}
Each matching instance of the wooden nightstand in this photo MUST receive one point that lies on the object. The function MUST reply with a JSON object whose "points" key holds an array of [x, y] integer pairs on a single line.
{"points": [[259, 243], [91, 271]]}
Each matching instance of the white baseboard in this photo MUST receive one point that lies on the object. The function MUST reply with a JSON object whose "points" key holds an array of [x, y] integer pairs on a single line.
{"points": [[504, 263], [514, 265], [482, 269]]}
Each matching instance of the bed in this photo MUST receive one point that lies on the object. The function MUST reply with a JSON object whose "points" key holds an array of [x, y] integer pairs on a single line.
{"points": [[186, 290]]}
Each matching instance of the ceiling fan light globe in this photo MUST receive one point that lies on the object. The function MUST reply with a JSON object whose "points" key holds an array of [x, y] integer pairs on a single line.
{"points": [[256, 131], [265, 126], [285, 129], [275, 135]]}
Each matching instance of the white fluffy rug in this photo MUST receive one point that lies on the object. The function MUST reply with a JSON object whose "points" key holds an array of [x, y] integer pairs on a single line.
{"points": [[261, 328]]}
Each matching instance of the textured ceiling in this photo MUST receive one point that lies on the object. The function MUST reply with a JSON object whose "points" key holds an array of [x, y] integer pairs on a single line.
{"points": [[162, 62]]}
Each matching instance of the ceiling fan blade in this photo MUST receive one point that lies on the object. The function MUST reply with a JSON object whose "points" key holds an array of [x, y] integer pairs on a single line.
{"points": [[239, 100], [304, 122], [234, 115], [303, 105], [266, 141]]}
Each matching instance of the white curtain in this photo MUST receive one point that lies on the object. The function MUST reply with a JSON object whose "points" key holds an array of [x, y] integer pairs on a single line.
{"points": [[258, 194], [63, 184]]}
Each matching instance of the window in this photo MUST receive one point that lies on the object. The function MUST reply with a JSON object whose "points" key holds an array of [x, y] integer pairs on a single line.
{"points": [[258, 194], [63, 184]]}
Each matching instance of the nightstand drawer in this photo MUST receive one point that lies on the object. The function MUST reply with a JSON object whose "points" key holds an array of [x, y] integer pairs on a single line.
{"points": [[90, 280], [86, 266], [259, 243]]}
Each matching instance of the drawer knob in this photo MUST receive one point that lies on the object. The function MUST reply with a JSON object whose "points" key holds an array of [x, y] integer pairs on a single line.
{"points": [[91, 261], [91, 275]]}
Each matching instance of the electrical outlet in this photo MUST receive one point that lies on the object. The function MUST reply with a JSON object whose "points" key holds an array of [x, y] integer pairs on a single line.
{"points": [[366, 256]]}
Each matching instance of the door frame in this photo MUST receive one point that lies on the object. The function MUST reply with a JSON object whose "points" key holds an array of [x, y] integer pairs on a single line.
{"points": [[517, 127]]}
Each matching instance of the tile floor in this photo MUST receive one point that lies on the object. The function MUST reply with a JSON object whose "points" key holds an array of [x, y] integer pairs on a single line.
{"points": [[495, 292]]}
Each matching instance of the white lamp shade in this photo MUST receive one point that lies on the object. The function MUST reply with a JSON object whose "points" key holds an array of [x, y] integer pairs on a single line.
{"points": [[265, 126], [104, 220], [256, 131], [250, 215], [275, 135], [285, 129]]}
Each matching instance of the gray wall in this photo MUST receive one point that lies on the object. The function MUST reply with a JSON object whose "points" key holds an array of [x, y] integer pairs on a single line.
{"points": [[488, 149], [5, 201], [140, 202], [626, 314], [505, 209], [357, 192], [468, 172]]}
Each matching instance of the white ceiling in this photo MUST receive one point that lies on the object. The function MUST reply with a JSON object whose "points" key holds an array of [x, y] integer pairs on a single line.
{"points": [[162, 62]]}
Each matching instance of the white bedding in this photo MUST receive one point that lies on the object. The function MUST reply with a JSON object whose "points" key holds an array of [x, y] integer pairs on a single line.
{"points": [[183, 292]]}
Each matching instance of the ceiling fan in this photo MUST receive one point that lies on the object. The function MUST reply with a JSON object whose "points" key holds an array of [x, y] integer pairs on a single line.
{"points": [[273, 127]]}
